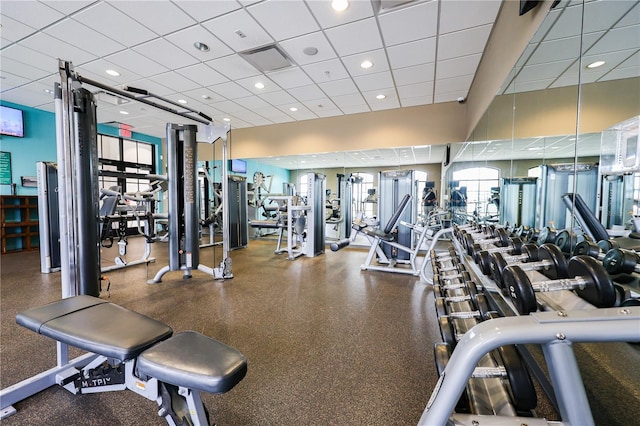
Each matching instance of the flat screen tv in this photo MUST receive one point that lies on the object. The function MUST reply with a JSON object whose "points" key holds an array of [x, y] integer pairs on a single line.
{"points": [[238, 166], [11, 123]]}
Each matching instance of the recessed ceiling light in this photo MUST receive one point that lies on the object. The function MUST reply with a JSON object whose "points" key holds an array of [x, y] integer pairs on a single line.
{"points": [[124, 112], [366, 64], [113, 73], [339, 5], [206, 97], [47, 91], [259, 85], [293, 109], [380, 97], [182, 101], [310, 51], [226, 119], [201, 46], [596, 64]]}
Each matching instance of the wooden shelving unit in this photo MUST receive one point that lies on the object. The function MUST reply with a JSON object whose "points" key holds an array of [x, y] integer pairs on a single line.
{"points": [[19, 221]]}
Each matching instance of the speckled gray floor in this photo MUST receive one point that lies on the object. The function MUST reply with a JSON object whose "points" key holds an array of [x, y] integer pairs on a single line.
{"points": [[326, 343]]}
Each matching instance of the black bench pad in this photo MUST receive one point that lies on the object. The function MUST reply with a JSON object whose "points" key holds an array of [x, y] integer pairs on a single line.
{"points": [[195, 361], [378, 233], [97, 326]]}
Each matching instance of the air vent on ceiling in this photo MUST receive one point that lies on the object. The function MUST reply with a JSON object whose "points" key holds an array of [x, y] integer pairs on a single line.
{"points": [[386, 5], [267, 58]]}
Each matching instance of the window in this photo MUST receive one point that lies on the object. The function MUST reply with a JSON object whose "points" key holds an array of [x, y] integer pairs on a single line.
{"points": [[365, 199], [475, 185]]}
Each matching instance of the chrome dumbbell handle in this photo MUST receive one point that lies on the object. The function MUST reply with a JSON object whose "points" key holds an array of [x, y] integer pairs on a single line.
{"points": [[575, 283]]}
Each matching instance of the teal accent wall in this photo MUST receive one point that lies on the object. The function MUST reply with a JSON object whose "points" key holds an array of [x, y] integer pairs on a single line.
{"points": [[39, 144]]}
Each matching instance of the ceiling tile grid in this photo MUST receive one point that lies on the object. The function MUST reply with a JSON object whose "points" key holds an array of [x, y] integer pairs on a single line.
{"points": [[423, 51]]}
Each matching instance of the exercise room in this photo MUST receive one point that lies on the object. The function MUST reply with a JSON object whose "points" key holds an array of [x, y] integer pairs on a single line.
{"points": [[301, 212]]}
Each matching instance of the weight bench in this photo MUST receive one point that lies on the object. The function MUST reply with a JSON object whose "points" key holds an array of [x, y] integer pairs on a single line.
{"points": [[128, 350]]}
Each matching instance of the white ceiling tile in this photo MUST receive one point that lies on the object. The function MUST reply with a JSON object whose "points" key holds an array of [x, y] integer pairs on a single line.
{"points": [[295, 47], [227, 107], [319, 104], [25, 71], [415, 74], [252, 102], [113, 23], [133, 61], [557, 50], [284, 19], [163, 18], [233, 67], [327, 17], [381, 80], [270, 112], [455, 67], [99, 67], [456, 84], [529, 86], [415, 101], [165, 53], [321, 72], [632, 17], [38, 15], [371, 96], [543, 71], [202, 74], [409, 23], [278, 98], [67, 7], [617, 39], [546, 25], [414, 53], [225, 27], [339, 87], [4, 43], [329, 112], [185, 39], [230, 90], [301, 114], [416, 90], [55, 48], [632, 61], [377, 57], [524, 57], [203, 10], [250, 84], [356, 37], [620, 73], [307, 93], [26, 97], [83, 37], [11, 81], [175, 81], [13, 30], [602, 15], [355, 109], [384, 104], [352, 99], [290, 77], [461, 14], [463, 43]]}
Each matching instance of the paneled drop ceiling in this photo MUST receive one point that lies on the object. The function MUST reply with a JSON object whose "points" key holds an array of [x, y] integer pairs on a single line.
{"points": [[422, 52]]}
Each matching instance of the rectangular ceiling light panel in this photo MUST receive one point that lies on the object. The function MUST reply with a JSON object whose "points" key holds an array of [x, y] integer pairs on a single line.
{"points": [[267, 58]]}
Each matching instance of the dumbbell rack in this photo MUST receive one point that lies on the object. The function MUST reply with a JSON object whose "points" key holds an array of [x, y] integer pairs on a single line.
{"points": [[585, 323]]}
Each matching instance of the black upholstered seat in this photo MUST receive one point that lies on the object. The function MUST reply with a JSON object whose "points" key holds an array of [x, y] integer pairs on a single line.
{"points": [[97, 326], [195, 361]]}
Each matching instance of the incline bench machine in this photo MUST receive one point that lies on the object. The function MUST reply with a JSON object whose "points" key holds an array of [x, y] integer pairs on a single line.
{"points": [[129, 351]]}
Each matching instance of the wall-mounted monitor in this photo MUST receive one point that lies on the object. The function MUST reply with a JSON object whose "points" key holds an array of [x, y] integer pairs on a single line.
{"points": [[11, 122], [238, 166]]}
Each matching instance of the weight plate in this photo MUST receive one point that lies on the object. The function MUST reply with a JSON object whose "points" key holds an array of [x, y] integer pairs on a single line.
{"points": [[599, 290], [587, 248], [523, 393], [606, 245], [472, 288], [484, 260], [437, 280], [442, 353], [497, 266], [441, 307], [630, 302], [461, 267], [620, 261], [552, 252], [447, 332], [531, 251], [468, 243], [465, 277], [519, 288], [621, 294], [563, 241], [437, 291], [517, 245], [503, 237], [532, 235], [482, 305]]}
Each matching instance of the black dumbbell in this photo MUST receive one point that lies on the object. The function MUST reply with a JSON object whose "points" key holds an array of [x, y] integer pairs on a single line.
{"points": [[442, 256], [590, 281], [589, 248], [551, 262], [528, 252], [443, 289], [439, 269], [623, 296], [621, 261], [461, 276], [500, 238], [532, 235], [546, 235], [521, 231], [522, 391], [479, 301], [513, 247]]}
